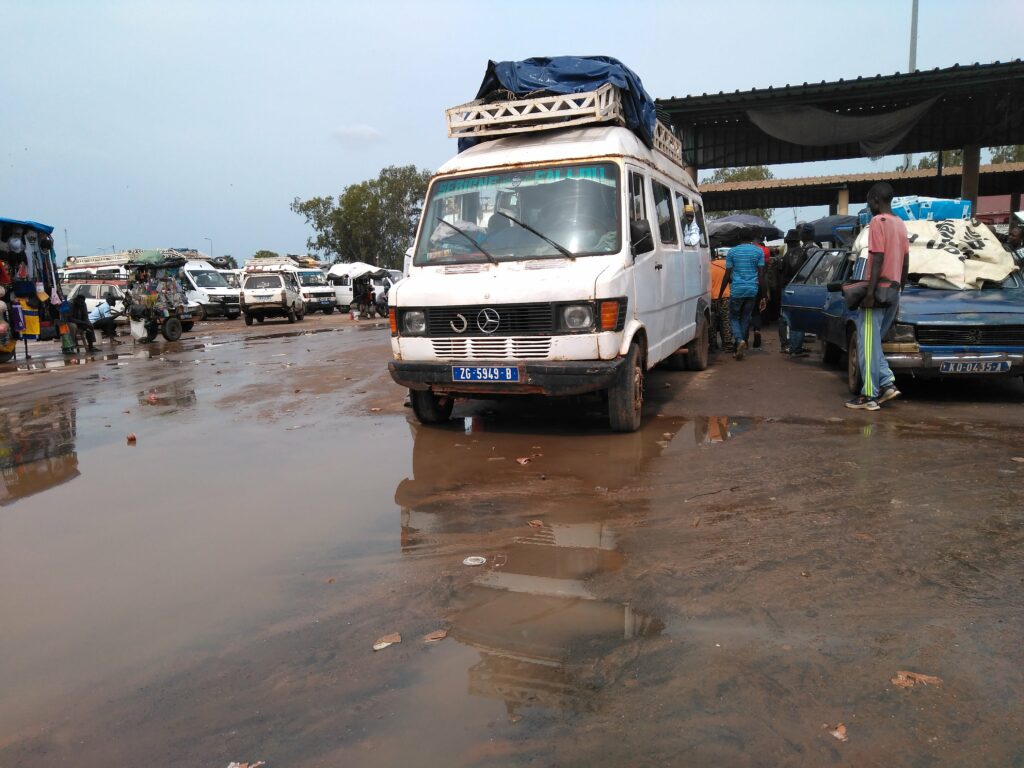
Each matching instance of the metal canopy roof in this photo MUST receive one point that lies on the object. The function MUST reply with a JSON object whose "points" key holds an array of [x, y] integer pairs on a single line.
{"points": [[979, 104], [1000, 179]]}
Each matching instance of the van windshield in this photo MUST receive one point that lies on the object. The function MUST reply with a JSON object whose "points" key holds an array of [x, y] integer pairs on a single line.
{"points": [[207, 278], [312, 277], [531, 213]]}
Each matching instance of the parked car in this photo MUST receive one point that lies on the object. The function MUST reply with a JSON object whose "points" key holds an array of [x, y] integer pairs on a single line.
{"points": [[95, 293], [272, 294], [938, 332]]}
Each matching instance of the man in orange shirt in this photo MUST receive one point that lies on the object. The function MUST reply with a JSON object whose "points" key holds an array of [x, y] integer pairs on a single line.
{"points": [[719, 306]]}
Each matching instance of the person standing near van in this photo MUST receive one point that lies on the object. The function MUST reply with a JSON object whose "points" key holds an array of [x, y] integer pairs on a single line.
{"points": [[720, 306], [744, 276], [886, 271]]}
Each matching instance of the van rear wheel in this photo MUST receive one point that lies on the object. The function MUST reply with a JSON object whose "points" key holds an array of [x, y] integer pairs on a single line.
{"points": [[626, 395], [853, 377], [248, 319], [430, 408]]}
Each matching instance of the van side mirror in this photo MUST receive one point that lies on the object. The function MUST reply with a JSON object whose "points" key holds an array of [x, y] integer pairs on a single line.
{"points": [[835, 286], [640, 237]]}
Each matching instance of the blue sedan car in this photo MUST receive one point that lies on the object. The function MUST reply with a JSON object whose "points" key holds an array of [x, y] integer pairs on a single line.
{"points": [[936, 333]]}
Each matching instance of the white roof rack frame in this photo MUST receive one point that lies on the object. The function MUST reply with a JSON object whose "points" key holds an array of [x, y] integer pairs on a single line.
{"points": [[480, 119]]}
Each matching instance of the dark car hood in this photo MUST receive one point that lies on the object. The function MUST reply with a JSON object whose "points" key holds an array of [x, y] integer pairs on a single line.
{"points": [[1001, 306]]}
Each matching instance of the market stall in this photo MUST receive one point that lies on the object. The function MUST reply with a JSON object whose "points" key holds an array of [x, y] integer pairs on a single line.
{"points": [[31, 302]]}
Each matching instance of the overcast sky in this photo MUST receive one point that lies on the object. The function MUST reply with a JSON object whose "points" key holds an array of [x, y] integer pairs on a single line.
{"points": [[156, 124]]}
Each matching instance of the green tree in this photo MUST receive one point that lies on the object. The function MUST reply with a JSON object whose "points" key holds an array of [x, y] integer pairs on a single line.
{"points": [[1011, 153], [262, 254], [951, 158], [372, 221], [747, 173]]}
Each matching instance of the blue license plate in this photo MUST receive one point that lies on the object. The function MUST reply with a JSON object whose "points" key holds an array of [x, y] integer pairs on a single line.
{"points": [[1000, 366], [484, 373], [325, 301]]}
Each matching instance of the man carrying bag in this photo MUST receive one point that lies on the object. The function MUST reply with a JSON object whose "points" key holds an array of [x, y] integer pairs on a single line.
{"points": [[886, 272]]}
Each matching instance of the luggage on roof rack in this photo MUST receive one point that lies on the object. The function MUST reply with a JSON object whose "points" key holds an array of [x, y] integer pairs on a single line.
{"points": [[481, 119]]}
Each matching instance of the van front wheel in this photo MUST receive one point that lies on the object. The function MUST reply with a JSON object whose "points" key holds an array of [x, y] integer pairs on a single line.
{"points": [[697, 350], [626, 395], [430, 408]]}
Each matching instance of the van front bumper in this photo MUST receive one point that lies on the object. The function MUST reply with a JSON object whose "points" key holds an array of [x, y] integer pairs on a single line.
{"points": [[564, 377]]}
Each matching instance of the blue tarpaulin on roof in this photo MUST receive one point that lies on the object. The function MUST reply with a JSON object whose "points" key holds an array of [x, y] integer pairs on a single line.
{"points": [[572, 74], [30, 224]]}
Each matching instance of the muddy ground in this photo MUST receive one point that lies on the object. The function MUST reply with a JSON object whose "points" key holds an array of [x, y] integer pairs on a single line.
{"points": [[724, 587]]}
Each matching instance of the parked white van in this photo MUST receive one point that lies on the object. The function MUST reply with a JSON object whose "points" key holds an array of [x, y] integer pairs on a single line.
{"points": [[553, 262], [204, 285]]}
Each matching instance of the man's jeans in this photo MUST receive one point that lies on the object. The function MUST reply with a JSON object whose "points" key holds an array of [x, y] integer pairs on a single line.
{"points": [[787, 336], [740, 311], [872, 325]]}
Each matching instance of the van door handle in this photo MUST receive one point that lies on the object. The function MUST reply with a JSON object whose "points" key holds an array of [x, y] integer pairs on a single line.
{"points": [[658, 266], [789, 293]]}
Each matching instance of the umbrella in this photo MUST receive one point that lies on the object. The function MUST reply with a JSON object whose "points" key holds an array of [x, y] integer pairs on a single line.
{"points": [[728, 229], [832, 228]]}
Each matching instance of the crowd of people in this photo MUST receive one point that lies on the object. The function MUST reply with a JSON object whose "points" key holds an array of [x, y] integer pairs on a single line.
{"points": [[747, 282]]}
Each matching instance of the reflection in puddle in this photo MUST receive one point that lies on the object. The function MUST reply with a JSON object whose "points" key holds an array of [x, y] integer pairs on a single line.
{"points": [[177, 394], [531, 614], [37, 448], [27, 366]]}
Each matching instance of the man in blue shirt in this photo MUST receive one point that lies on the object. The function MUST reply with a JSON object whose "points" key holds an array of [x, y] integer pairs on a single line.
{"points": [[744, 272], [102, 318]]}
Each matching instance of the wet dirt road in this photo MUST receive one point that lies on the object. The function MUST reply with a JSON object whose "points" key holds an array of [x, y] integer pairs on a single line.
{"points": [[724, 587]]}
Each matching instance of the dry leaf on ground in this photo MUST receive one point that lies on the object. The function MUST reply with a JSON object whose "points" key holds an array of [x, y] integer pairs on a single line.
{"points": [[536, 523], [524, 460], [374, 410], [257, 764], [906, 679], [1018, 459], [839, 732], [331, 580], [132, 439], [384, 642], [437, 634]]}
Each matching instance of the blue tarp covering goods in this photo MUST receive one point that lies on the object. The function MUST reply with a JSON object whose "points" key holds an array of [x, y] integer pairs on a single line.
{"points": [[566, 75]]}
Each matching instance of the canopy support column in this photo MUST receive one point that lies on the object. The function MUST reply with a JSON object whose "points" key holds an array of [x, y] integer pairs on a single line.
{"points": [[969, 183], [843, 202]]}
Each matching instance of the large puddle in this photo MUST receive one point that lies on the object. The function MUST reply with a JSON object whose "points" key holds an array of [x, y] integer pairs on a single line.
{"points": [[216, 586]]}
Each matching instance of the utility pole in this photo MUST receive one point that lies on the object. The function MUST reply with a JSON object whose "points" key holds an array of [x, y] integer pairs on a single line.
{"points": [[67, 252], [908, 158]]}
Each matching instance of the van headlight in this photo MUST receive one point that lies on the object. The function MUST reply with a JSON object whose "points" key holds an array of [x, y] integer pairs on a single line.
{"points": [[902, 333], [577, 317], [414, 321]]}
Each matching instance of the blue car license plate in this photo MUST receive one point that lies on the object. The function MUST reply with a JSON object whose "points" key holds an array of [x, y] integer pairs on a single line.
{"points": [[325, 301], [484, 373], [998, 366]]}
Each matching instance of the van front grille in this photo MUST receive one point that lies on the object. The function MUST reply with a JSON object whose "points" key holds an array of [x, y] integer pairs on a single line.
{"points": [[530, 348], [499, 320]]}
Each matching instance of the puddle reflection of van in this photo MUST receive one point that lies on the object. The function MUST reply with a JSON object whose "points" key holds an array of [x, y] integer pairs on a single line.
{"points": [[553, 262]]}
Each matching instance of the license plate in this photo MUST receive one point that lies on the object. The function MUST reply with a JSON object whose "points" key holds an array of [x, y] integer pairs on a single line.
{"points": [[325, 301], [1001, 366], [484, 373], [262, 296]]}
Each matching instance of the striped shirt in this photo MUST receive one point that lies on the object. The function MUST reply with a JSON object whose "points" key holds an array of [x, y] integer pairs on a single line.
{"points": [[744, 261]]}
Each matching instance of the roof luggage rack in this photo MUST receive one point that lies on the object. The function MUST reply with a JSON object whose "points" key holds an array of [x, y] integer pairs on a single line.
{"points": [[482, 119]]}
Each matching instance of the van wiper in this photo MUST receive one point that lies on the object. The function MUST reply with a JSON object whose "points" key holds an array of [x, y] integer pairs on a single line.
{"points": [[470, 238], [560, 248]]}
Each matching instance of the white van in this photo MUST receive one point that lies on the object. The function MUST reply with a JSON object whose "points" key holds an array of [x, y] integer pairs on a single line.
{"points": [[317, 294], [204, 285], [553, 262]]}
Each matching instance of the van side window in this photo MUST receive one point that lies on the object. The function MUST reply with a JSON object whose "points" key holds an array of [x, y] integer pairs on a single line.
{"points": [[637, 200], [688, 221], [666, 219], [699, 209]]}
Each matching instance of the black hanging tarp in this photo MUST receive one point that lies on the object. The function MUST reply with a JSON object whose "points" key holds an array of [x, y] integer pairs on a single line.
{"points": [[814, 127]]}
